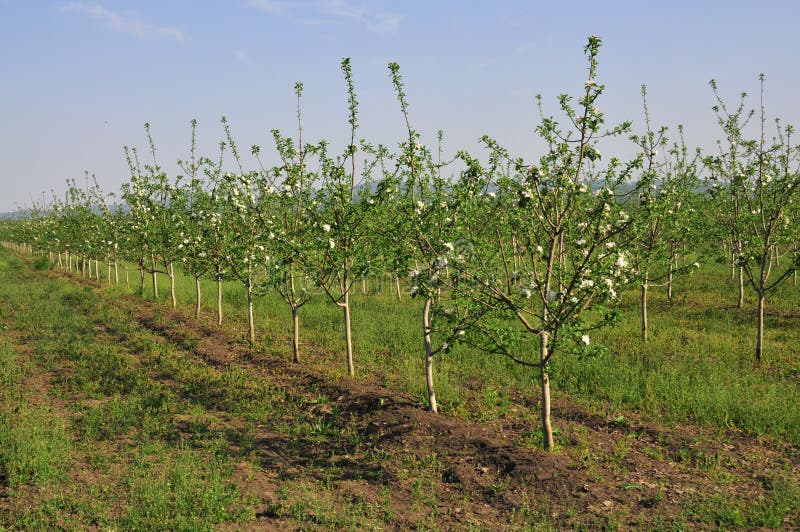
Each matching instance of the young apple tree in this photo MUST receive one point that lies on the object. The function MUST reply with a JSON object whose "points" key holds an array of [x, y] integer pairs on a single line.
{"points": [[424, 221], [763, 187], [290, 224], [663, 215], [339, 215], [550, 264]]}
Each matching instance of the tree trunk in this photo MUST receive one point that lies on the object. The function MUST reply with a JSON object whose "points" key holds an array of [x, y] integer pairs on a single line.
{"points": [[197, 299], [670, 278], [760, 327], [426, 335], [295, 318], [171, 274], [219, 298], [295, 336], [155, 280], [740, 301], [644, 310], [116, 272], [547, 427], [251, 326], [348, 338], [97, 270], [219, 301], [108, 272], [397, 287]]}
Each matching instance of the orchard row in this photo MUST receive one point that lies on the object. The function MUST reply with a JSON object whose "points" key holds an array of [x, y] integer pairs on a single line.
{"points": [[522, 257]]}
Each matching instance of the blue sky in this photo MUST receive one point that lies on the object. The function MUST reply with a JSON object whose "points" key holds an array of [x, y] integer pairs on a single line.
{"points": [[80, 78]]}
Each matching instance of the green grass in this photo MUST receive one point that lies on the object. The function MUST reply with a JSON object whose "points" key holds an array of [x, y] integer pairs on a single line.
{"points": [[181, 491], [723, 511], [313, 506], [699, 365], [34, 446], [111, 421]]}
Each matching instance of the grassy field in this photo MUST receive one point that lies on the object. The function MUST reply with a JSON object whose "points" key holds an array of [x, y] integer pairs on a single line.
{"points": [[115, 413]]}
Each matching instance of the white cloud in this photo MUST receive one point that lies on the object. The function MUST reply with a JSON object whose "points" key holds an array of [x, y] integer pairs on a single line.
{"points": [[365, 12], [125, 24]]}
